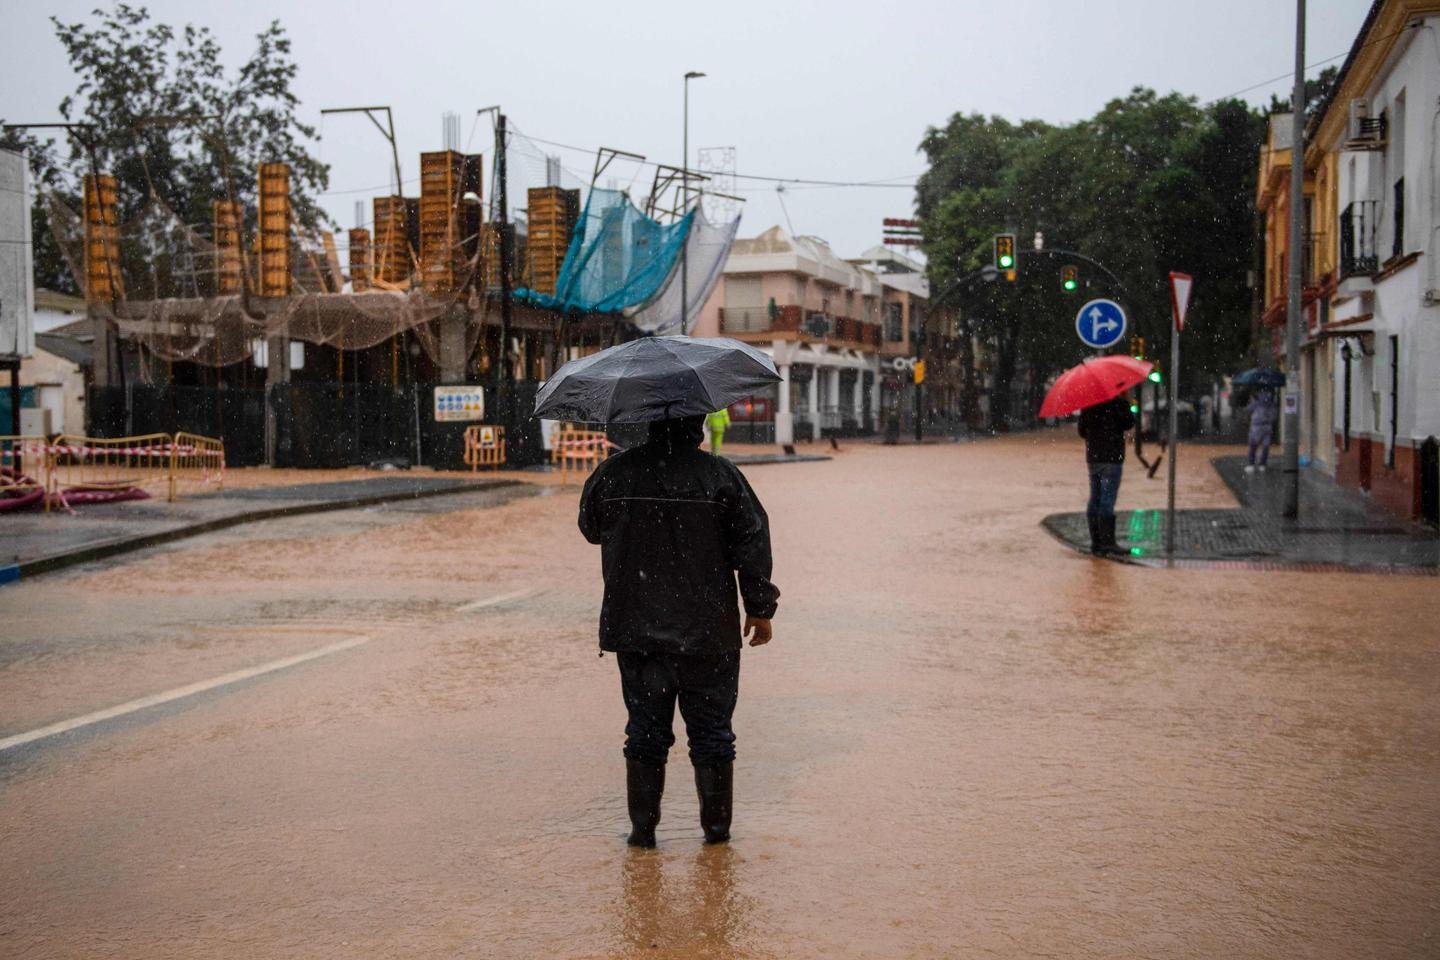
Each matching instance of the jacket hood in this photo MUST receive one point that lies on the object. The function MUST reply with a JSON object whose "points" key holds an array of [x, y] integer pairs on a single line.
{"points": [[678, 431]]}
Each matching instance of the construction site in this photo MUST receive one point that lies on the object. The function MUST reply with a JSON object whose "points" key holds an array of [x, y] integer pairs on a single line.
{"points": [[386, 341]]}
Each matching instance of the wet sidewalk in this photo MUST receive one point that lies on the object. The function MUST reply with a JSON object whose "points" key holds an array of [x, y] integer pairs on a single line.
{"points": [[1337, 530], [38, 542]]}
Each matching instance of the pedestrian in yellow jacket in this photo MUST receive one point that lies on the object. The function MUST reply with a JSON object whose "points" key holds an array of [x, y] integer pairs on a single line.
{"points": [[717, 422]]}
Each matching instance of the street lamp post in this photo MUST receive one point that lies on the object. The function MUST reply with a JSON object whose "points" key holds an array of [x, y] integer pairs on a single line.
{"points": [[1295, 285], [685, 203]]}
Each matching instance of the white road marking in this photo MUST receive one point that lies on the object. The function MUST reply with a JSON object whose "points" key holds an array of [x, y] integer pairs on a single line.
{"points": [[496, 601], [178, 693]]}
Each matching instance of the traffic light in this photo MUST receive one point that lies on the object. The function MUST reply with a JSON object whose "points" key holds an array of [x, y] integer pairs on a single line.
{"points": [[1156, 376], [1137, 348], [1005, 254], [1069, 278], [919, 371]]}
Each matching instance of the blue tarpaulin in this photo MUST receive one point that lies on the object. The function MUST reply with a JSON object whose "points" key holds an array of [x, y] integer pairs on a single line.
{"points": [[618, 258]]}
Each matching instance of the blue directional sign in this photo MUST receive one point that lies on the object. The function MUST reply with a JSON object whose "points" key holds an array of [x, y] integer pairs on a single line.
{"points": [[1100, 323]]}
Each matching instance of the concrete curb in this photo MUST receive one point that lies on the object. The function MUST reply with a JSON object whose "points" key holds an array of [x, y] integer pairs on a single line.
{"points": [[101, 551]]}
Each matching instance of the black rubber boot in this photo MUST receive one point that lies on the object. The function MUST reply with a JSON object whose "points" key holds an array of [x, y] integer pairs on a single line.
{"points": [[1107, 536], [644, 784], [716, 787], [1096, 547]]}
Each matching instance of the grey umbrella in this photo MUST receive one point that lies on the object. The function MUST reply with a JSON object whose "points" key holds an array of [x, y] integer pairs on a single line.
{"points": [[1259, 377], [655, 378]]}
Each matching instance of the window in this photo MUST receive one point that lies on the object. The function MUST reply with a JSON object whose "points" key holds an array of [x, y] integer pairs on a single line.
{"points": [[1397, 245], [894, 323], [1394, 400]]}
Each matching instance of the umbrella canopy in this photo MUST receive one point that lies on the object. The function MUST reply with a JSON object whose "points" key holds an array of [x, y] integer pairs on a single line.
{"points": [[1096, 380], [1259, 377], [655, 378]]}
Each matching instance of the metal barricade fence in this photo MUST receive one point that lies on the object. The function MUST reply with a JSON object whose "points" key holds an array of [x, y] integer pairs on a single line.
{"points": [[94, 463], [24, 464], [196, 459]]}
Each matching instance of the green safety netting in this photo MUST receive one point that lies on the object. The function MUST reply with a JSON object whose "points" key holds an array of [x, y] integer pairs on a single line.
{"points": [[618, 257]]}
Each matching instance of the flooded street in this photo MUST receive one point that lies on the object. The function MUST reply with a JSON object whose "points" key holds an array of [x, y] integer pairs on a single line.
{"points": [[965, 740]]}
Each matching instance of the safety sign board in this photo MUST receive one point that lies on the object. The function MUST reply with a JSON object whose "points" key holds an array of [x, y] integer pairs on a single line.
{"points": [[459, 403]]}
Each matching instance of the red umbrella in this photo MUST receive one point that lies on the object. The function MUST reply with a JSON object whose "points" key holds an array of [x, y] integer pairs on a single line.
{"points": [[1096, 380]]}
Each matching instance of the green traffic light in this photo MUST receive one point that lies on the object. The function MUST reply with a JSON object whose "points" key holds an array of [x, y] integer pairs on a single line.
{"points": [[1006, 261], [1134, 408], [1154, 376], [1070, 284]]}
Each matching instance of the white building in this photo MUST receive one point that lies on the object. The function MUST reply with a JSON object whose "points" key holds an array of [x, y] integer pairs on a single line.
{"points": [[819, 318], [1375, 351]]}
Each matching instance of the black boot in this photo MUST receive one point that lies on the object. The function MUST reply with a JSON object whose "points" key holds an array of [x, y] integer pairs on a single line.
{"points": [[644, 783], [716, 787], [1107, 536], [1095, 544]]}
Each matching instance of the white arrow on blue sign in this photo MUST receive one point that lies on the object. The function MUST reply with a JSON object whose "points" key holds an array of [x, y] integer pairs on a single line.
{"points": [[1100, 323]]}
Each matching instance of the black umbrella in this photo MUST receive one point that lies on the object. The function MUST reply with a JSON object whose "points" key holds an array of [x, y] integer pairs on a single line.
{"points": [[1259, 377], [655, 378]]}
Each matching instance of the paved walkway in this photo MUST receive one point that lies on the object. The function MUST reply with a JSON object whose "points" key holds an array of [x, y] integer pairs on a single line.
{"points": [[36, 542], [1338, 529]]}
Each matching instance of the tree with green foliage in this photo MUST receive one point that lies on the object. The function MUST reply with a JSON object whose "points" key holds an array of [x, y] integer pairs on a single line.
{"points": [[1148, 185], [165, 118]]}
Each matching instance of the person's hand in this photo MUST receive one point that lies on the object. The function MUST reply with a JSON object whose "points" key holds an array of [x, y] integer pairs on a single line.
{"points": [[757, 631]]}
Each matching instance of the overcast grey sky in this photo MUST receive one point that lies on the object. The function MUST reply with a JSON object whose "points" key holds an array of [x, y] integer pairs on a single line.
{"points": [[840, 90]]}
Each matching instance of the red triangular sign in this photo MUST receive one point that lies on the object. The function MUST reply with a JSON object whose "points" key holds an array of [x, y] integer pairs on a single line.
{"points": [[1180, 284]]}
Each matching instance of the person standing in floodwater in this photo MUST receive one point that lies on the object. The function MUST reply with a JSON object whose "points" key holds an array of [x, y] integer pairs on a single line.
{"points": [[1103, 427], [1262, 429], [676, 525]]}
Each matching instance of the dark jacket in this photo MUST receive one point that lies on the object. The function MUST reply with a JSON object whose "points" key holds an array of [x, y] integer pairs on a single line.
{"points": [[675, 525], [1103, 426]]}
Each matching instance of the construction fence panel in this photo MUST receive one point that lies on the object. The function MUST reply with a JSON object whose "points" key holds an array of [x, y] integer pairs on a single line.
{"points": [[97, 463], [24, 466], [196, 460]]}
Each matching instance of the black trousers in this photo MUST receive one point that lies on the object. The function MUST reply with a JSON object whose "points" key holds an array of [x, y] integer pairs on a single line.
{"points": [[706, 687]]}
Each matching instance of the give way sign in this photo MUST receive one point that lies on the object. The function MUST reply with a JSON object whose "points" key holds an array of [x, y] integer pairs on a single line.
{"points": [[1180, 284]]}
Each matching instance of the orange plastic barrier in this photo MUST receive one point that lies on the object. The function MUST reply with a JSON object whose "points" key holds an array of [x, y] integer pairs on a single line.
{"points": [[579, 451], [484, 447]]}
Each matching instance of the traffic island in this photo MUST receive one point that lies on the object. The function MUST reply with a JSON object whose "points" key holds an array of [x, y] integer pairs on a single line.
{"points": [[1338, 531]]}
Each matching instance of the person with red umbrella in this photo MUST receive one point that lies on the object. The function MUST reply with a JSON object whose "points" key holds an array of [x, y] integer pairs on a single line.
{"points": [[1096, 388]]}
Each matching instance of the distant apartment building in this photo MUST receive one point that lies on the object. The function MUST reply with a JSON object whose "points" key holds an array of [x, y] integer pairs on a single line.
{"points": [[820, 318], [912, 331], [844, 334]]}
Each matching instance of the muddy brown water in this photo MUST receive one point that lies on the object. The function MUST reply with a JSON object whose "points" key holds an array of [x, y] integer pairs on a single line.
{"points": [[965, 740]]}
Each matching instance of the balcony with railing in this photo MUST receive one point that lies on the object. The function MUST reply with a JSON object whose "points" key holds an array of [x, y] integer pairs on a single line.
{"points": [[807, 324], [1357, 239]]}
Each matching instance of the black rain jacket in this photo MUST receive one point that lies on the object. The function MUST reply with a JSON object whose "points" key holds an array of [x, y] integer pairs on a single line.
{"points": [[675, 525], [1103, 426]]}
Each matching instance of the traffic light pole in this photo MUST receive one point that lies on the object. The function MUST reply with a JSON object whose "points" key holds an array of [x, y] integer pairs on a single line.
{"points": [[1296, 277]]}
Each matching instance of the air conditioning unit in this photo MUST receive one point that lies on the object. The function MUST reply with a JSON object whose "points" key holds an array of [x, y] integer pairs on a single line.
{"points": [[1364, 132], [819, 325]]}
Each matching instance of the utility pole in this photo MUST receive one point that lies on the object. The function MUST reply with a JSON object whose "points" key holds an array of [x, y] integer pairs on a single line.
{"points": [[1296, 277], [503, 393]]}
